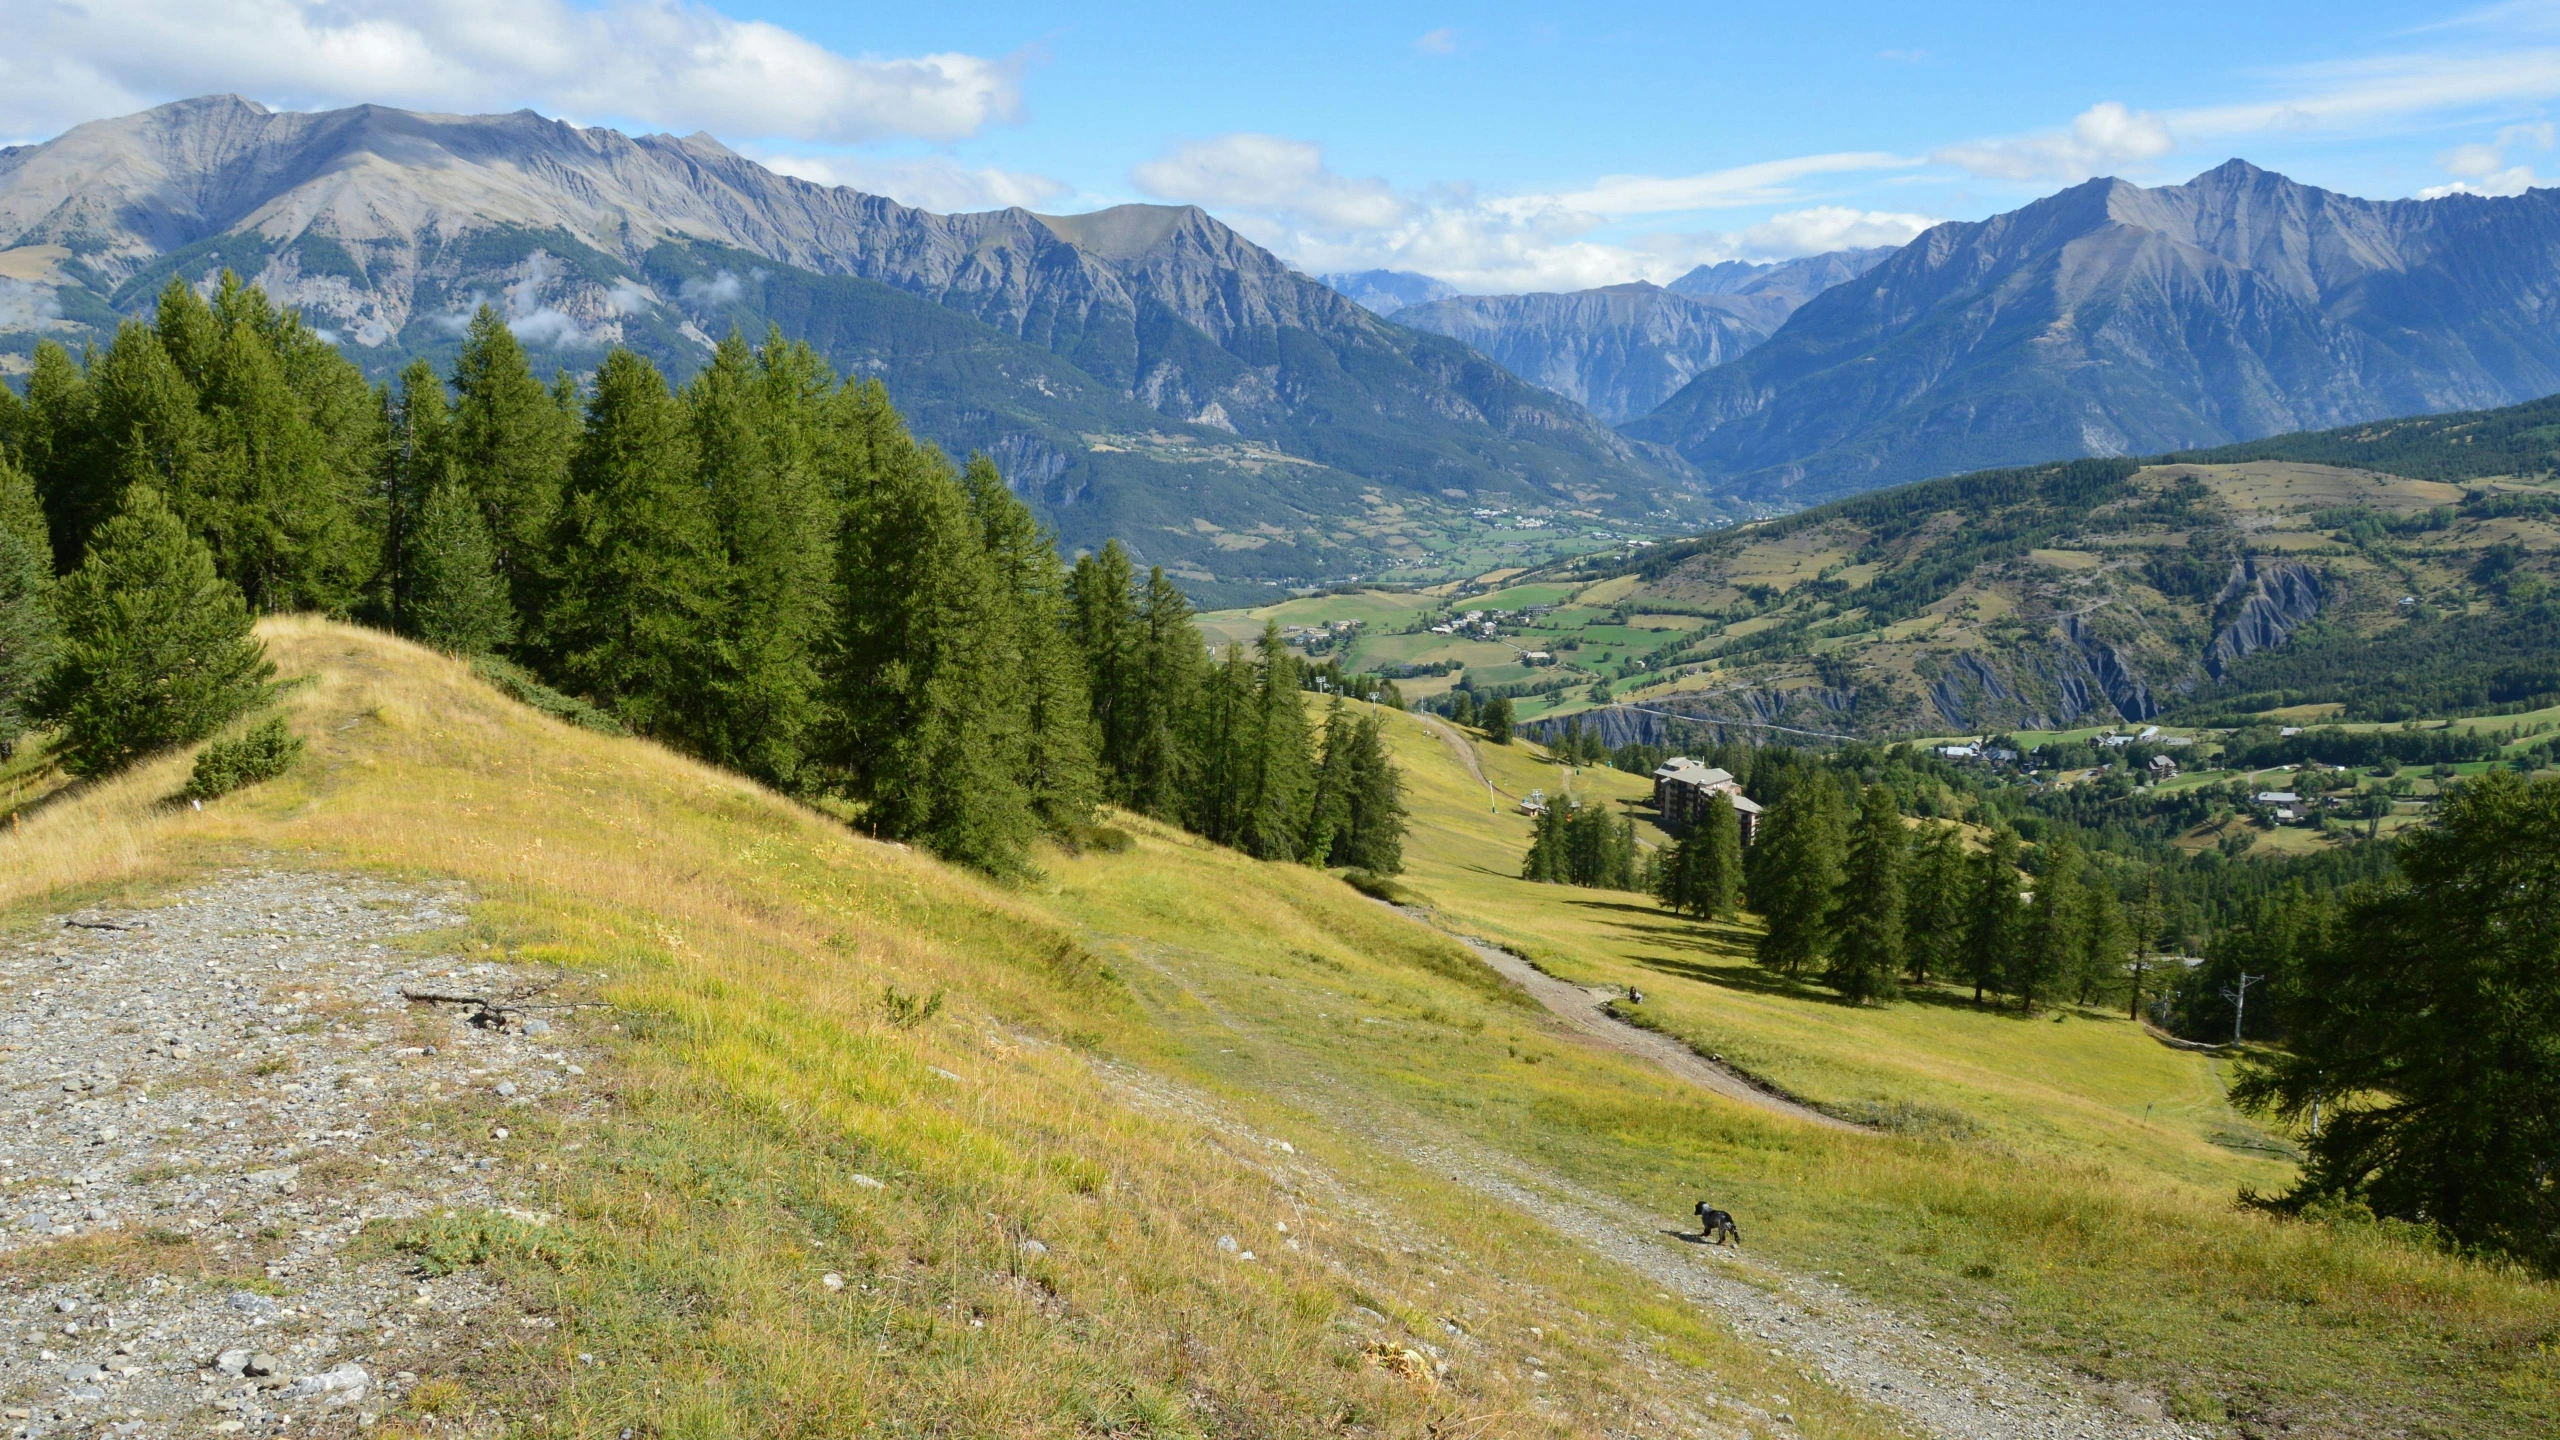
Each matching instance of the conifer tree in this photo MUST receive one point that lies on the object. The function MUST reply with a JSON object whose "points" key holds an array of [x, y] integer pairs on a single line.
{"points": [[922, 729], [1102, 613], [28, 631], [1372, 835], [2050, 948], [1802, 877], [1494, 718], [1217, 740], [1275, 745], [156, 646], [1675, 877], [2105, 942], [457, 601], [1933, 907], [757, 422], [284, 443], [1719, 875], [1046, 677], [1328, 798], [1550, 845], [57, 441], [1993, 923], [1172, 667], [640, 614], [512, 440], [417, 460], [1868, 953], [1462, 707]]}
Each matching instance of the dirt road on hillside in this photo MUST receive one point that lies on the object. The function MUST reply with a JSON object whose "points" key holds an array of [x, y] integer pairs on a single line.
{"points": [[1860, 1348], [1465, 749], [1580, 1010]]}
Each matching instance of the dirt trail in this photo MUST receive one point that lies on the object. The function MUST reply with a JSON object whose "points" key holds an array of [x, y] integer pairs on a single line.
{"points": [[1858, 1347], [1580, 1010], [1460, 746]]}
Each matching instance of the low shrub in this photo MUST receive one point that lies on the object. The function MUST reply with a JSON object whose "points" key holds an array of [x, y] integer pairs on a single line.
{"points": [[517, 684], [267, 751]]}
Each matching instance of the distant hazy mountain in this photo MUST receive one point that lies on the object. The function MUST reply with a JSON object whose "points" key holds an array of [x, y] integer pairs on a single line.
{"points": [[2111, 319], [1143, 371], [1624, 349], [1768, 293], [1384, 292], [1620, 350]]}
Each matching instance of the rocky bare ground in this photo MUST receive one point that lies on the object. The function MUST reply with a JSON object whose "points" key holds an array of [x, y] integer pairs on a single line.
{"points": [[202, 1107]]}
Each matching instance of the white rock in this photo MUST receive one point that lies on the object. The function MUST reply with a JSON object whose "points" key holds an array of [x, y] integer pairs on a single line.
{"points": [[867, 1183], [832, 1280], [1227, 1243], [1034, 1247]]}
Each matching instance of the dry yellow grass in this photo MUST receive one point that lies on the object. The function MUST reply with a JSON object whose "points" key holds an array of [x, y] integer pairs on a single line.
{"points": [[744, 944]]}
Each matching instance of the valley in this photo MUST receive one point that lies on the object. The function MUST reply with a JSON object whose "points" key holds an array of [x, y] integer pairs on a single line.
{"points": [[1146, 1049]]}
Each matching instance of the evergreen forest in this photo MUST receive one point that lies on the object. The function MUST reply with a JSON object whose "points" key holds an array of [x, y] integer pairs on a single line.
{"points": [[763, 568]]}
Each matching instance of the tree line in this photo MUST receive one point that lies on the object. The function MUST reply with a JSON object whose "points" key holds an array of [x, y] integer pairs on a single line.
{"points": [[763, 568]]}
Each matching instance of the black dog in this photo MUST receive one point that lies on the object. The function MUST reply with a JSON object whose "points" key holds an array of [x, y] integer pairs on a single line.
{"points": [[1717, 1227]]}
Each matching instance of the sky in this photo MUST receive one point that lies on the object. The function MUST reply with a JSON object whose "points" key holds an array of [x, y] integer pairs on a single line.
{"points": [[1501, 147]]}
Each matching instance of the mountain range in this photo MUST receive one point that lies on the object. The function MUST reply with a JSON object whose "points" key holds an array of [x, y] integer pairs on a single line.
{"points": [[1145, 372], [2111, 319], [1141, 371], [1621, 350]]}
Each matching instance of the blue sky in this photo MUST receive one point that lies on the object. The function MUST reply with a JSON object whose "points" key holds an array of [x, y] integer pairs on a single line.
{"points": [[1502, 146]]}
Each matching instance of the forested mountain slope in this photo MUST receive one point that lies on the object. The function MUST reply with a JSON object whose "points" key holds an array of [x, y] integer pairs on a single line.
{"points": [[2111, 319], [2398, 569], [1139, 361]]}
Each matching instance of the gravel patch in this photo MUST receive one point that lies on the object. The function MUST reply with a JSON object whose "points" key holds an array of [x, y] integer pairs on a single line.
{"points": [[204, 1104]]}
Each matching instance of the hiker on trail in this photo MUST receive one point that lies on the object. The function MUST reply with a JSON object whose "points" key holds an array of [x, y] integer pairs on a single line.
{"points": [[1716, 1227]]}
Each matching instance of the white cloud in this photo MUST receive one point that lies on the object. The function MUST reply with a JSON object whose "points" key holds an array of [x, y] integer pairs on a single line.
{"points": [[1443, 41], [930, 182], [1280, 193], [723, 288], [2103, 137], [2483, 169], [1824, 228], [1272, 176], [628, 297], [2345, 95], [671, 62], [1768, 182]]}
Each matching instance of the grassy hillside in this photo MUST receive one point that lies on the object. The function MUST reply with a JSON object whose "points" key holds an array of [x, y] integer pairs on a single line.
{"points": [[1153, 1047]]}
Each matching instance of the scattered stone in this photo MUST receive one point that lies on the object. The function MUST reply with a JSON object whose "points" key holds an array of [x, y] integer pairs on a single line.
{"points": [[244, 1074], [1034, 1247], [867, 1183], [832, 1280], [1227, 1243]]}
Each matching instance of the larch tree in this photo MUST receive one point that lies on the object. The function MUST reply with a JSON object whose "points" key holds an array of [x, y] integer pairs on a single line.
{"points": [[512, 440], [923, 728], [28, 630], [1048, 678], [1802, 880], [2423, 1031], [457, 600], [1933, 906], [1993, 921], [640, 613], [156, 648], [1867, 955], [2049, 949]]}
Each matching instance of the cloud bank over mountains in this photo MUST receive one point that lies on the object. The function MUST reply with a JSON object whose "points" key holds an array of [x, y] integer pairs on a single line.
{"points": [[682, 65], [950, 130]]}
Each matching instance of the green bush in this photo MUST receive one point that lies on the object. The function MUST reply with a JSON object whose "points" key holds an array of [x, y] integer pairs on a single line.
{"points": [[225, 765], [518, 684]]}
